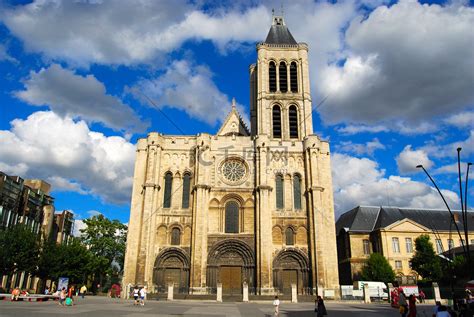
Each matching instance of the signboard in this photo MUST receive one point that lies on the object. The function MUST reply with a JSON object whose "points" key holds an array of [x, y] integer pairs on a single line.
{"points": [[63, 282]]}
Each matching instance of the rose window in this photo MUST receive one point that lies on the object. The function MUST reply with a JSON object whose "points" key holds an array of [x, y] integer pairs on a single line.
{"points": [[233, 170]]}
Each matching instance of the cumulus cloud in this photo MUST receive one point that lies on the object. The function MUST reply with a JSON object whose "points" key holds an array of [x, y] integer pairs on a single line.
{"points": [[69, 94], [360, 181], [202, 98], [408, 159], [69, 154], [367, 148], [396, 60]]}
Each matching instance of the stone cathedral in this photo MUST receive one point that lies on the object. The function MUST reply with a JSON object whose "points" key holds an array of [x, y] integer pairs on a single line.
{"points": [[242, 206]]}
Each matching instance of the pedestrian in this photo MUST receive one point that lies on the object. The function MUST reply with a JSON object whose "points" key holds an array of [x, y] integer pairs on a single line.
{"points": [[46, 291], [143, 292], [422, 296], [436, 308], [412, 307], [276, 306], [70, 294], [402, 304], [136, 294], [442, 311], [320, 308], [83, 290], [15, 294], [62, 296]]}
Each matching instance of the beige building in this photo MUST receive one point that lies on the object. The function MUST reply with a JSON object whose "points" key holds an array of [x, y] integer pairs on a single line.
{"points": [[392, 231], [240, 206]]}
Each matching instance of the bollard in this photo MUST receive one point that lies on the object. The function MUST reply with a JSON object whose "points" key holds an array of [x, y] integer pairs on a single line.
{"points": [[294, 293], [170, 291], [366, 294], [437, 295], [245, 297], [219, 292]]}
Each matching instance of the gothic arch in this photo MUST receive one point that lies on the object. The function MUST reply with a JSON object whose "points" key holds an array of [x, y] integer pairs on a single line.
{"points": [[172, 266], [291, 265]]}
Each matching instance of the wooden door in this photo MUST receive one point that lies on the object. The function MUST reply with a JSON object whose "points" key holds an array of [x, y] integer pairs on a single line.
{"points": [[289, 277], [173, 276], [231, 279]]}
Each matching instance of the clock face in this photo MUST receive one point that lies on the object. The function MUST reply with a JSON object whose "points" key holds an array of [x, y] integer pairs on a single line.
{"points": [[233, 171]]}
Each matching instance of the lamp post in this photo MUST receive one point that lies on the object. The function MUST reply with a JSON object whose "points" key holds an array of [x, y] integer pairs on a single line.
{"points": [[444, 200]]}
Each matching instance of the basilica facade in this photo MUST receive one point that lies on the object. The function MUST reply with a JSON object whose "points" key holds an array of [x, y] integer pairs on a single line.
{"points": [[244, 205]]}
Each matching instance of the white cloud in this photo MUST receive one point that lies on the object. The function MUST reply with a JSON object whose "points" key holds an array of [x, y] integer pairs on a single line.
{"points": [[453, 169], [368, 148], [78, 225], [408, 62], [355, 129], [93, 213], [359, 181], [78, 96], [4, 56], [189, 88], [59, 183], [461, 120], [408, 159], [450, 150], [69, 153]]}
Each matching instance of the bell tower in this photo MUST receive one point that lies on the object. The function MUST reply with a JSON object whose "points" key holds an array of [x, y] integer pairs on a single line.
{"points": [[280, 96]]}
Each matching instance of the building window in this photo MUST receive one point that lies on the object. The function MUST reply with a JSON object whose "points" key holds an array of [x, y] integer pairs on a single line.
{"points": [[472, 241], [279, 191], [175, 236], [395, 245], [409, 245], [297, 191], [398, 265], [290, 236], [294, 77], [283, 77], [439, 246], [186, 190], [232, 217], [272, 74], [366, 244], [293, 122], [167, 191], [276, 113], [450, 244]]}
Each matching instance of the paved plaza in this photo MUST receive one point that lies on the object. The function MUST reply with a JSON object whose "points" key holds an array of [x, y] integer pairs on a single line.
{"points": [[101, 306]]}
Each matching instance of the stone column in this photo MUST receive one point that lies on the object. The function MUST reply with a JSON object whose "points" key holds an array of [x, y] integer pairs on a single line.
{"points": [[219, 292], [170, 291], [294, 293], [437, 295]]}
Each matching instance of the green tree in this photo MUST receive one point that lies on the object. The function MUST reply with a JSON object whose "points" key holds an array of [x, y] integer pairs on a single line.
{"points": [[425, 261], [378, 269], [74, 261], [106, 240], [48, 261]]}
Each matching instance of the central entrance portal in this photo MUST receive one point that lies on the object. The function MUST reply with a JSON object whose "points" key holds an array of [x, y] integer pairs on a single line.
{"points": [[231, 279]]}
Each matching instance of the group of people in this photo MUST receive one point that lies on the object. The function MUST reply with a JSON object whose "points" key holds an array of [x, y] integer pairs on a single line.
{"points": [[407, 306], [319, 307], [139, 295], [66, 296]]}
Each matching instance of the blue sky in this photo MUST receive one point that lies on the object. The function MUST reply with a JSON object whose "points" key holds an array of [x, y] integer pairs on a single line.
{"points": [[398, 77]]}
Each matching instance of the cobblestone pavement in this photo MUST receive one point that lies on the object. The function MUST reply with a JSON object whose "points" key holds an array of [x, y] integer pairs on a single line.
{"points": [[100, 306]]}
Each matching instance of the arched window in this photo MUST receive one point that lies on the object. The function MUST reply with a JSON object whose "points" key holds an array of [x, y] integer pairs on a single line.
{"points": [[283, 77], [297, 192], [293, 77], [232, 217], [175, 236], [276, 114], [167, 191], [186, 190], [293, 120], [279, 191], [272, 76], [290, 236]]}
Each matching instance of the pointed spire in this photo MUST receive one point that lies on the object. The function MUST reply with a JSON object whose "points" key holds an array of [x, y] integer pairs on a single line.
{"points": [[233, 103]]}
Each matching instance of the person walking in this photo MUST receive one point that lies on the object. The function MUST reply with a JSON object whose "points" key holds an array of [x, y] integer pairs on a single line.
{"points": [[70, 294], [402, 303], [422, 296], [62, 296], [143, 292], [276, 306], [320, 308], [136, 295], [412, 306], [83, 291]]}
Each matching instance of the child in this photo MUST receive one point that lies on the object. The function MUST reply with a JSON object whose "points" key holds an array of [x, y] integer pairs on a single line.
{"points": [[276, 305]]}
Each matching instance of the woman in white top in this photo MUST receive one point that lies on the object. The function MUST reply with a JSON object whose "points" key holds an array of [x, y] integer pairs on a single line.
{"points": [[143, 295], [276, 305]]}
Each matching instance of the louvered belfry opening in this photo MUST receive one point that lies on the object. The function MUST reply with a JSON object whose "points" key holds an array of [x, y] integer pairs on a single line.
{"points": [[276, 115], [167, 191], [293, 122], [297, 192], [186, 190], [294, 77], [279, 192], [283, 77], [272, 77]]}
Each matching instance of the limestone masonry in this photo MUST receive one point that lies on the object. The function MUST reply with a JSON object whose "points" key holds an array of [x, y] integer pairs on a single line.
{"points": [[240, 206]]}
